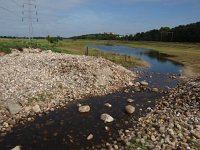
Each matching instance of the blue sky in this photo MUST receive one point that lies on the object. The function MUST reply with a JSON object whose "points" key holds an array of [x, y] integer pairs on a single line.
{"points": [[76, 17]]}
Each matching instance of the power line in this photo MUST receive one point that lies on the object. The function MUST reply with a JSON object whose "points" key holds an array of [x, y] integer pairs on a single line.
{"points": [[30, 14], [16, 3], [10, 11]]}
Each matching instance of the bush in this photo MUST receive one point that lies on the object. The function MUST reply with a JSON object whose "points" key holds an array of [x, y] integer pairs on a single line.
{"points": [[53, 40]]}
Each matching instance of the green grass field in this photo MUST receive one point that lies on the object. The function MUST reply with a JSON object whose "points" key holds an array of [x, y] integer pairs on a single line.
{"points": [[187, 54], [76, 47]]}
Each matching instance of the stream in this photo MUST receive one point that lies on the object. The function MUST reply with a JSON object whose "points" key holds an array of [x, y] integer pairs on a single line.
{"points": [[66, 128]]}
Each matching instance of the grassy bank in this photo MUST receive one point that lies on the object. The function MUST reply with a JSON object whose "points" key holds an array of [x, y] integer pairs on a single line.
{"points": [[187, 54], [77, 47]]}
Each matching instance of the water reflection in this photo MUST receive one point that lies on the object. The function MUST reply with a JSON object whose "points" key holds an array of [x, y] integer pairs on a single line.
{"points": [[158, 61]]}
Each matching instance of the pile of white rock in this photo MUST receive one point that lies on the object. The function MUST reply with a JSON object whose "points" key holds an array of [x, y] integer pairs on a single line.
{"points": [[35, 80]]}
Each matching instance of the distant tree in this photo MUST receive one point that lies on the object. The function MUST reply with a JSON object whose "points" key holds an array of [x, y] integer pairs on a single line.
{"points": [[52, 40], [182, 33]]}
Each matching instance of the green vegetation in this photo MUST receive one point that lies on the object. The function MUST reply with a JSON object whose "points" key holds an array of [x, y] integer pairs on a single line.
{"points": [[7, 44], [136, 145], [77, 47], [187, 54], [182, 33]]}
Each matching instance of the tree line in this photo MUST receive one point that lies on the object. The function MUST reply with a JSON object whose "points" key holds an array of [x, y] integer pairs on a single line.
{"points": [[182, 33]]}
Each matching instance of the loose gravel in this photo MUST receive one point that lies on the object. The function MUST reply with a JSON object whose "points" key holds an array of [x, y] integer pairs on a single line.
{"points": [[36, 77]]}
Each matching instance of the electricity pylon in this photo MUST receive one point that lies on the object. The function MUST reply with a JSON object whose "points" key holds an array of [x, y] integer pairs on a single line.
{"points": [[30, 14]]}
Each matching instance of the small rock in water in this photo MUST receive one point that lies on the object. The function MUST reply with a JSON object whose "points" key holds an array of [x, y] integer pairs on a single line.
{"points": [[130, 100], [79, 105], [130, 109], [55, 134], [144, 83], [36, 108], [155, 90], [173, 77], [108, 105], [149, 108], [107, 118], [137, 84], [107, 128], [84, 109], [90, 137], [16, 148]]}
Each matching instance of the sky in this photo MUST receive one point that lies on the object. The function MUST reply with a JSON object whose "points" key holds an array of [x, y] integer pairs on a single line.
{"points": [[76, 17]]}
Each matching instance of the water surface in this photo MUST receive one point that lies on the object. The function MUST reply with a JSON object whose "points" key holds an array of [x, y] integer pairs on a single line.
{"points": [[158, 62]]}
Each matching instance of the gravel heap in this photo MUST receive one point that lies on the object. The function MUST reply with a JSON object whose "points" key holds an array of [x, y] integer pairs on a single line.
{"points": [[173, 124], [39, 76]]}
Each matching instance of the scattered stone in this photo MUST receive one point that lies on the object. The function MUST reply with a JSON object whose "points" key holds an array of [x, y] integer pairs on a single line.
{"points": [[130, 109], [137, 84], [149, 108], [116, 147], [108, 105], [79, 105], [107, 118], [130, 100], [107, 128], [173, 77], [153, 138], [5, 124], [144, 83], [155, 90], [36, 108], [173, 123], [84, 109], [171, 132], [90, 137], [162, 129], [14, 108], [55, 134], [16, 148], [27, 109], [130, 83]]}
